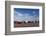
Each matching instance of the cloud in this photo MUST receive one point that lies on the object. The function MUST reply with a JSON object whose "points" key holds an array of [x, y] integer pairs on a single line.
{"points": [[19, 14], [24, 17]]}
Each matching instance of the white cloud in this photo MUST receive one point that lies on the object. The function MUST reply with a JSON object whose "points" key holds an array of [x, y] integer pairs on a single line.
{"points": [[18, 18], [19, 14], [25, 17], [26, 14]]}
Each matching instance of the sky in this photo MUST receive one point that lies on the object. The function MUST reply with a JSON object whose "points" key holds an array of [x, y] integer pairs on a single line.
{"points": [[25, 14]]}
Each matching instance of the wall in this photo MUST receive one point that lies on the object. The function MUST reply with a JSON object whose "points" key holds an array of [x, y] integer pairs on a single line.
{"points": [[2, 18]]}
